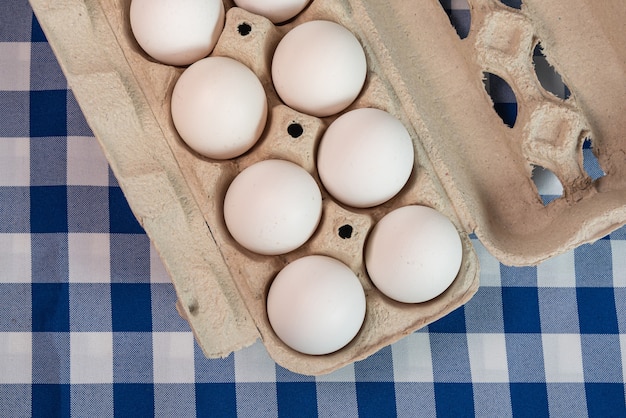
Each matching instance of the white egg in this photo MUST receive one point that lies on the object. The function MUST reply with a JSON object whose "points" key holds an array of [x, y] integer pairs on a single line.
{"points": [[177, 32], [316, 305], [219, 107], [413, 254], [272, 207], [319, 68], [277, 11], [365, 157]]}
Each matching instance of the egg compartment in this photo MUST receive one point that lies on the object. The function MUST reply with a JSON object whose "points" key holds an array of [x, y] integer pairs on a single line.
{"points": [[396, 319], [386, 321], [469, 165]]}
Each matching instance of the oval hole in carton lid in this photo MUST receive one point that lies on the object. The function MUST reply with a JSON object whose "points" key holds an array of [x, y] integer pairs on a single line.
{"points": [[515, 4], [549, 79], [458, 12], [548, 184], [502, 96], [590, 161]]}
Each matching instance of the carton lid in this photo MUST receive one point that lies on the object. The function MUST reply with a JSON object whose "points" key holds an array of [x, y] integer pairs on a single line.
{"points": [[484, 165]]}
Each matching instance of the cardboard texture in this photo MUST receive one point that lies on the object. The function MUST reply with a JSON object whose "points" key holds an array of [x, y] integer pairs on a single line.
{"points": [[469, 164]]}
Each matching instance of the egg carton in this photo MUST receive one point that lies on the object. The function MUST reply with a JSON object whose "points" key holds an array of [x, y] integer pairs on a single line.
{"points": [[469, 165]]}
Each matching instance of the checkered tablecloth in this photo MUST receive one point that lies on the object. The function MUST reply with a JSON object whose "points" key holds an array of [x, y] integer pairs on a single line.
{"points": [[88, 326]]}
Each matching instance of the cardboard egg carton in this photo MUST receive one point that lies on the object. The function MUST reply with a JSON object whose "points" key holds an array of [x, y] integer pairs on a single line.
{"points": [[469, 164]]}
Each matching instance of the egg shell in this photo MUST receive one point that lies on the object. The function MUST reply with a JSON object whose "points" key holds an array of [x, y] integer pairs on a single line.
{"points": [[177, 32], [219, 107], [316, 305], [365, 157], [272, 207], [277, 11], [319, 68], [413, 254]]}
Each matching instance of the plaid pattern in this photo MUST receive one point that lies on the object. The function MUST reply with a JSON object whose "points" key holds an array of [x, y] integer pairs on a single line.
{"points": [[88, 326]]}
